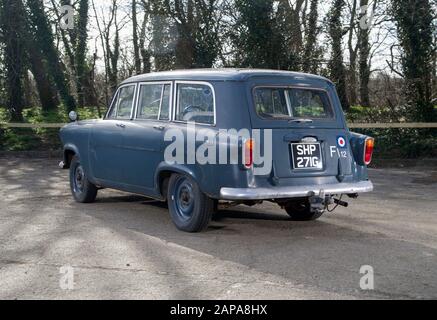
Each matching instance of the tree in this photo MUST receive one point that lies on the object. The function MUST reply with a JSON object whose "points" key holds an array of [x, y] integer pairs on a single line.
{"points": [[310, 55], [353, 52], [336, 64], [164, 37], [45, 41], [197, 44], [257, 40], [136, 45], [414, 21], [364, 54], [11, 23], [80, 50], [110, 45], [74, 41], [145, 52], [289, 25]]}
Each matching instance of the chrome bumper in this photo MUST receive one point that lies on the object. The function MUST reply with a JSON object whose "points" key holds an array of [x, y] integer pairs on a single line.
{"points": [[294, 192]]}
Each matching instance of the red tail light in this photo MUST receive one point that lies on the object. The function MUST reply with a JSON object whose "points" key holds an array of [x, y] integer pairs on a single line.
{"points": [[368, 152], [248, 153]]}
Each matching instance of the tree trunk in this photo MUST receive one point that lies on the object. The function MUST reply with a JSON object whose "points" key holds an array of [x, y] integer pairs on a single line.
{"points": [[352, 56], [309, 65], [137, 59], [364, 50], [11, 22], [45, 41], [336, 66], [80, 50], [45, 91], [414, 21]]}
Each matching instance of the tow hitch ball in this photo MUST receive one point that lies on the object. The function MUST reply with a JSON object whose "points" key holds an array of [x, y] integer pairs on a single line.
{"points": [[320, 203]]}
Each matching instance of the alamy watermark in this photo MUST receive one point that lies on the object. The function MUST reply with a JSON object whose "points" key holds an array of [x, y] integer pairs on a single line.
{"points": [[366, 20], [66, 281], [66, 20], [203, 146], [367, 281]]}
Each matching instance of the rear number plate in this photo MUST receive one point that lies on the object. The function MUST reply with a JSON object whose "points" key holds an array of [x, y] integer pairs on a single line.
{"points": [[307, 156]]}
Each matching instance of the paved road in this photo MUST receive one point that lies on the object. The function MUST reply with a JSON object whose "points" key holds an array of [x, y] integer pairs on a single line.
{"points": [[125, 246]]}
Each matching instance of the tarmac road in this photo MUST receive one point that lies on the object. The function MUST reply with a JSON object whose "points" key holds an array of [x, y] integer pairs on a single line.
{"points": [[125, 246]]}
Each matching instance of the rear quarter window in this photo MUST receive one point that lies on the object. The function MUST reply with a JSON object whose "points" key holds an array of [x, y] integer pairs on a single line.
{"points": [[195, 103]]}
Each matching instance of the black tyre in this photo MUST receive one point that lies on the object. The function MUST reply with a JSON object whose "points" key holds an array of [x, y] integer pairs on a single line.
{"points": [[300, 210], [83, 191], [190, 209]]}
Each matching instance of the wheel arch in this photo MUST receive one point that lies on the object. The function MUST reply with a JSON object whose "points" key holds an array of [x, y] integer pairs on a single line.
{"points": [[69, 152], [164, 172]]}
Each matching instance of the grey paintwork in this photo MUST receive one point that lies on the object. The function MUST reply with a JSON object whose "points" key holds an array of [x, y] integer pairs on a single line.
{"points": [[128, 154]]}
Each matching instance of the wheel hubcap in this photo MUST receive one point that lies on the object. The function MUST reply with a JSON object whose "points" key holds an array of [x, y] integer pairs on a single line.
{"points": [[79, 179], [184, 198]]}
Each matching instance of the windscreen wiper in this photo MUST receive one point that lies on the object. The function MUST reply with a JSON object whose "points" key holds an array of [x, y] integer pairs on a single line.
{"points": [[301, 121]]}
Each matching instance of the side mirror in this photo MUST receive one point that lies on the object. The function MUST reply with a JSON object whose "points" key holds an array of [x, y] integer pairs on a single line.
{"points": [[73, 116]]}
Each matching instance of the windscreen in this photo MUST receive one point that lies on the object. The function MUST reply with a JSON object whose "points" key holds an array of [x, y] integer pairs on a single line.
{"points": [[292, 103]]}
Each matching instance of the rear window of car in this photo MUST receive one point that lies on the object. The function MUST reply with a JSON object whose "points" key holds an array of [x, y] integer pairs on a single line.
{"points": [[292, 103]]}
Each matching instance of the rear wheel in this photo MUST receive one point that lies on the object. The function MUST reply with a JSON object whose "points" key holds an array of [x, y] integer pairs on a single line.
{"points": [[300, 210], [83, 191], [190, 209]]}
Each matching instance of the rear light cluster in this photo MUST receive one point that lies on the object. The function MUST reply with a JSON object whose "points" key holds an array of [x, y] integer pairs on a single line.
{"points": [[368, 150], [248, 153]]}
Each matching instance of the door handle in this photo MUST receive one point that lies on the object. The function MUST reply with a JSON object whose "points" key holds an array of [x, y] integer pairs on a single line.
{"points": [[121, 125], [160, 128]]}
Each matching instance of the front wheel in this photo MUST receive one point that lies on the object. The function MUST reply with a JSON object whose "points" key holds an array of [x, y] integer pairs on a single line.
{"points": [[190, 209], [300, 210], [83, 191]]}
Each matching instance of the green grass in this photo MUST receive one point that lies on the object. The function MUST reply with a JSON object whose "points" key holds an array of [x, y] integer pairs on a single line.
{"points": [[24, 139]]}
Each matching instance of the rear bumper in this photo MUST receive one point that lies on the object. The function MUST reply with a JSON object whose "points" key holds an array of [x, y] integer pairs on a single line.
{"points": [[294, 192]]}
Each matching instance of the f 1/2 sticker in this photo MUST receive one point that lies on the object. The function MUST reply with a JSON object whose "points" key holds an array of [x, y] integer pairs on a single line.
{"points": [[341, 153]]}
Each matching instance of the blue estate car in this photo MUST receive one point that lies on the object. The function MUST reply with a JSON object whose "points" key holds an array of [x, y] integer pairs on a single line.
{"points": [[199, 139]]}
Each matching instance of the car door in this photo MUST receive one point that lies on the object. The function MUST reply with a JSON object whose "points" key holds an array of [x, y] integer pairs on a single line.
{"points": [[106, 141], [143, 138]]}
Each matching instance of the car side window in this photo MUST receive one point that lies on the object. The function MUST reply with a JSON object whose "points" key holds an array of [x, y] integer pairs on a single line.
{"points": [[195, 102], [154, 102], [125, 102], [113, 110]]}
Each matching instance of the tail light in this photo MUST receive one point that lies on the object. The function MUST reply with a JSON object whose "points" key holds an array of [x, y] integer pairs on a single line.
{"points": [[248, 153], [368, 151]]}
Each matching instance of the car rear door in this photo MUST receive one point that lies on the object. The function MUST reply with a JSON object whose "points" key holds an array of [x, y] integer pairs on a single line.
{"points": [[143, 138]]}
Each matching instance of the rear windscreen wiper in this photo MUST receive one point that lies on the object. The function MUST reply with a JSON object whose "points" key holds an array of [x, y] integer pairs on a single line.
{"points": [[301, 121]]}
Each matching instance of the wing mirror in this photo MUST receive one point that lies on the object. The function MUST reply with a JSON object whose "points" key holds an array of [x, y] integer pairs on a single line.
{"points": [[73, 116]]}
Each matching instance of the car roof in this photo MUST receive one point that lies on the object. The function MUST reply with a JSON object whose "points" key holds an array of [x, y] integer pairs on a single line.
{"points": [[219, 75]]}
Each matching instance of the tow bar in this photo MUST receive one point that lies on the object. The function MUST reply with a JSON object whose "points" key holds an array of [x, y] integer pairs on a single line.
{"points": [[320, 203]]}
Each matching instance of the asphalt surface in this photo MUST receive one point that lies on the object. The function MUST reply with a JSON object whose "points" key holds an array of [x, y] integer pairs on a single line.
{"points": [[125, 246]]}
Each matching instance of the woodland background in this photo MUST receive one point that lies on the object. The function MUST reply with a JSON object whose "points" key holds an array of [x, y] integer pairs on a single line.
{"points": [[382, 55]]}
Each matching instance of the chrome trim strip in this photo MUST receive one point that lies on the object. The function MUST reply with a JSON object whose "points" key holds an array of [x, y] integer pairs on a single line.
{"points": [[294, 192]]}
